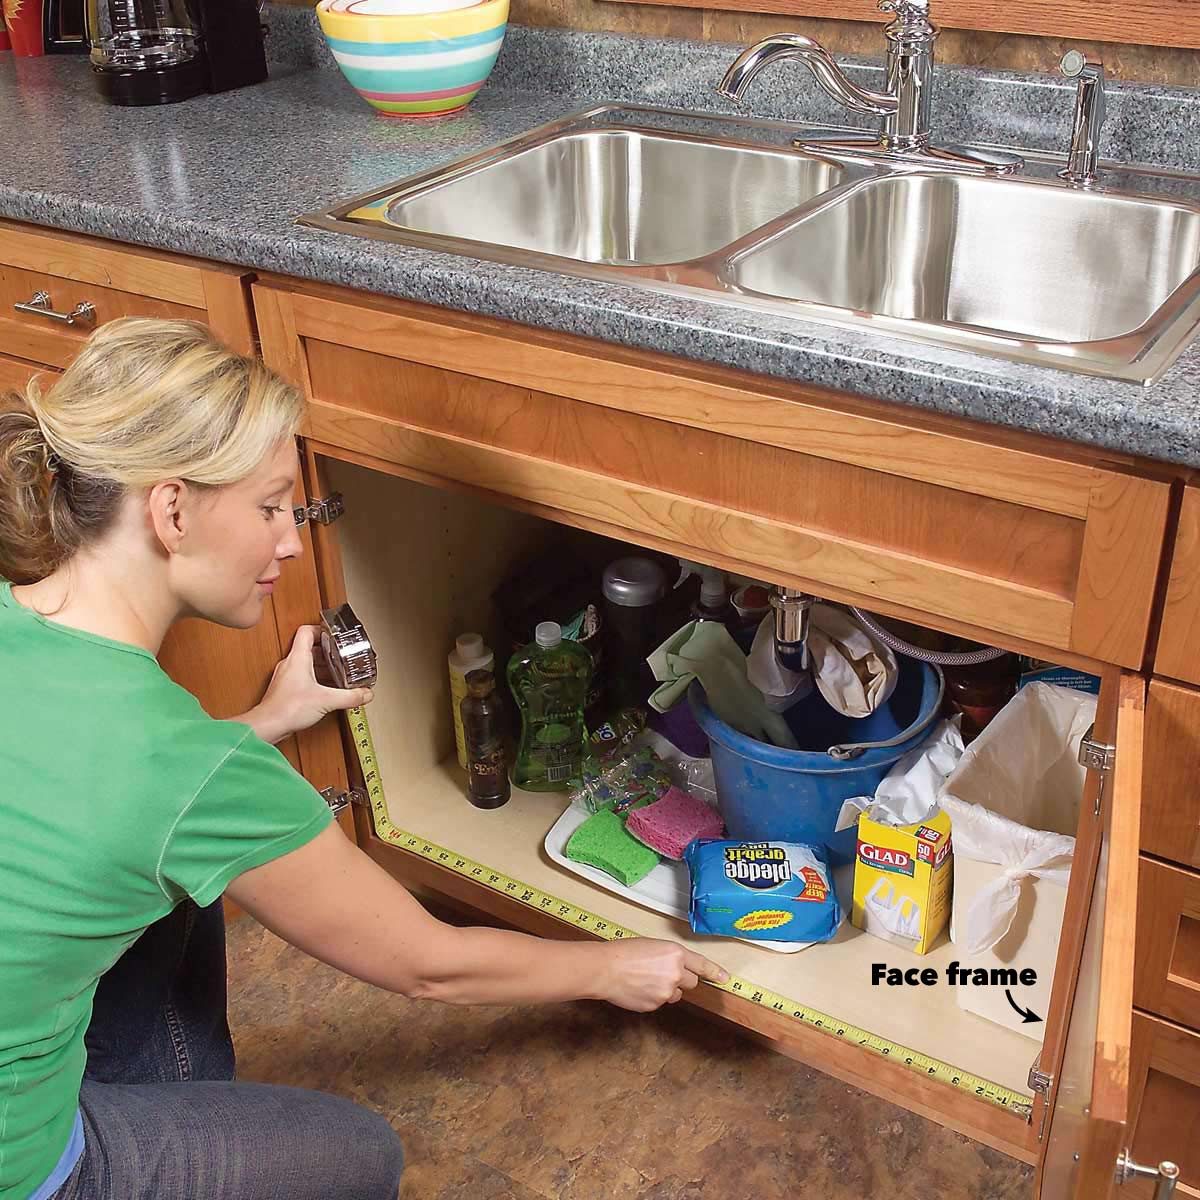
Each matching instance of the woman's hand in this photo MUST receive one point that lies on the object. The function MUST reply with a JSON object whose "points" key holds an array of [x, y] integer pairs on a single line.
{"points": [[642, 974], [295, 698]]}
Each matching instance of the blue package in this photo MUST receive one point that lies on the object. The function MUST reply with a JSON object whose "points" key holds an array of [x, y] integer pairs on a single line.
{"points": [[770, 891]]}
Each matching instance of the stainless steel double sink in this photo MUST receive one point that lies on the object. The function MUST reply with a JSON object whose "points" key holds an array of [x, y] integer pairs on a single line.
{"points": [[1103, 281]]}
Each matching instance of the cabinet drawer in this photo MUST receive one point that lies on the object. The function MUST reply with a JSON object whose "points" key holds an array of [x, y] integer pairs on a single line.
{"points": [[1171, 789], [1167, 971], [1164, 1113], [15, 373], [115, 281], [1179, 638], [983, 531]]}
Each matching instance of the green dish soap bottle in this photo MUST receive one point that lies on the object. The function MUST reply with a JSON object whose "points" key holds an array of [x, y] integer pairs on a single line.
{"points": [[549, 681]]}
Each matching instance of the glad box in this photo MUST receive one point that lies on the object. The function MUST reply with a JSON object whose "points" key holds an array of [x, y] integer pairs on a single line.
{"points": [[902, 876]]}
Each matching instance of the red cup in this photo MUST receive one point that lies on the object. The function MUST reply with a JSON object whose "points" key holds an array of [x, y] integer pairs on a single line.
{"points": [[23, 19]]}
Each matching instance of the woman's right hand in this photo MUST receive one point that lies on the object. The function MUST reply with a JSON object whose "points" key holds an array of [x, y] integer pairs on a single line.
{"points": [[642, 974]]}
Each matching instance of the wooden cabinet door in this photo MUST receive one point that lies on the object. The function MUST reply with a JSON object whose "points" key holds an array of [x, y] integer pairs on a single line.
{"points": [[1088, 1127], [1165, 1109], [1171, 792], [1168, 942], [1178, 652], [986, 533]]}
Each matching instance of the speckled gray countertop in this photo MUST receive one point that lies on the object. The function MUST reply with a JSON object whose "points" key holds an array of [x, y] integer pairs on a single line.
{"points": [[224, 177]]}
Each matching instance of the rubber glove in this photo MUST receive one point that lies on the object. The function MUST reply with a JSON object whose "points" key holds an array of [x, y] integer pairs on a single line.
{"points": [[704, 650]]}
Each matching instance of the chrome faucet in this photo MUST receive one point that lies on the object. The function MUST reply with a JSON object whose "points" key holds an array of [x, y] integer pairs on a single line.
{"points": [[904, 107], [1088, 121]]}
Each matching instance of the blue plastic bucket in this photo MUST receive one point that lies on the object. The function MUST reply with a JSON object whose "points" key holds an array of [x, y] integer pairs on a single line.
{"points": [[766, 792]]}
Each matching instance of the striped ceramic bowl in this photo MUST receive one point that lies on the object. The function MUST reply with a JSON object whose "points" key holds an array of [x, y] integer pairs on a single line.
{"points": [[414, 64]]}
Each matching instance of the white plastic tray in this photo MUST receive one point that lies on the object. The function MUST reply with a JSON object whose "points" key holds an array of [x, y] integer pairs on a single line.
{"points": [[666, 889]]}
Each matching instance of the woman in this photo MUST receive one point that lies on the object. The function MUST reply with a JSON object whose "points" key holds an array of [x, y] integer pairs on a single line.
{"points": [[153, 482]]}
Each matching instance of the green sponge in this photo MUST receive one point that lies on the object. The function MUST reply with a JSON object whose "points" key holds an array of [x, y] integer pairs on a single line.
{"points": [[601, 841]]}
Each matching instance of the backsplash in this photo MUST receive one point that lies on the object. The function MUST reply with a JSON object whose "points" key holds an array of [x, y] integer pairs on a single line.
{"points": [[970, 104], [1146, 64]]}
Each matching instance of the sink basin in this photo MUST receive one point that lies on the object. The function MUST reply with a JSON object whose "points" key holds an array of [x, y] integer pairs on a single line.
{"points": [[1031, 262], [1102, 281], [614, 196]]}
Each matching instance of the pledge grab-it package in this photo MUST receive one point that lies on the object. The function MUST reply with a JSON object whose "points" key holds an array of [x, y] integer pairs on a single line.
{"points": [[902, 880]]}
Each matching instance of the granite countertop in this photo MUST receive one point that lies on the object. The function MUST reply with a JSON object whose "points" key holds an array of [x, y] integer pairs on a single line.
{"points": [[224, 178]]}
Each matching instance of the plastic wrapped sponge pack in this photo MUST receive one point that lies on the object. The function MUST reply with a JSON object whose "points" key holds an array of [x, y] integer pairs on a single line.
{"points": [[773, 891]]}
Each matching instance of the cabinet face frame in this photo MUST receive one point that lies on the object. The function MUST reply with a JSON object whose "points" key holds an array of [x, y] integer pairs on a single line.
{"points": [[1094, 607], [1088, 1124], [1095, 493], [934, 1100]]}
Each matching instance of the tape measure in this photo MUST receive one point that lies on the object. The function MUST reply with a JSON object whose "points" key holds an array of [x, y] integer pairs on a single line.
{"points": [[572, 914]]}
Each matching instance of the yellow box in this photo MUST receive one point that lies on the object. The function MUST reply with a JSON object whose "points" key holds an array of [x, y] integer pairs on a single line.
{"points": [[902, 876]]}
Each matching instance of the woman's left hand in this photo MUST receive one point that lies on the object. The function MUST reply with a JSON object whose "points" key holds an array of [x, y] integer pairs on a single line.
{"points": [[295, 698]]}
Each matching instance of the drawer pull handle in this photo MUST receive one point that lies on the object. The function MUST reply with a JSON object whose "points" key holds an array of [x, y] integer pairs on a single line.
{"points": [[83, 313], [1166, 1175]]}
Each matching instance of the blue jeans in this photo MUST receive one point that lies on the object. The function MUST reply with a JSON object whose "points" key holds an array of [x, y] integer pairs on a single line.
{"points": [[162, 1117]]}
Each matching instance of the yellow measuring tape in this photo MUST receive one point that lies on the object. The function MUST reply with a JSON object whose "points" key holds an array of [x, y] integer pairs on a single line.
{"points": [[571, 914]]}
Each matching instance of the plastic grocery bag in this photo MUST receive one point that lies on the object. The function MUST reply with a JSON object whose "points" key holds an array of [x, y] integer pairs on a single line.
{"points": [[908, 794], [1013, 800]]}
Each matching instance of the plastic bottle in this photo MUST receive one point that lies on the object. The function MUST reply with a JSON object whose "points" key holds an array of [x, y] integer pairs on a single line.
{"points": [[713, 604], [483, 728], [549, 681], [469, 654], [633, 588]]}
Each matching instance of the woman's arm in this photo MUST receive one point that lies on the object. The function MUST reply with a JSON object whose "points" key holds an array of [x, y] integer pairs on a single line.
{"points": [[332, 901], [295, 697]]}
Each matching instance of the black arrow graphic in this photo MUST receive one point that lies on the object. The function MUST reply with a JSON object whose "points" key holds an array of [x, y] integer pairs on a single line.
{"points": [[1028, 1016]]}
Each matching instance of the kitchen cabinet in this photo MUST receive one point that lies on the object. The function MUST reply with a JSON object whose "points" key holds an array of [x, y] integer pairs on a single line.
{"points": [[1179, 640], [1165, 1101], [226, 669], [457, 443]]}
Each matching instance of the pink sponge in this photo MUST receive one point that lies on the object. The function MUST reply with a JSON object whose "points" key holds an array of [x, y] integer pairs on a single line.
{"points": [[669, 824]]}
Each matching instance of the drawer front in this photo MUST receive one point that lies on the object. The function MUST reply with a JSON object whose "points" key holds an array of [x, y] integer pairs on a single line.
{"points": [[1180, 635], [1164, 1102], [1167, 971], [16, 373], [117, 281], [760, 476], [42, 337], [1171, 790]]}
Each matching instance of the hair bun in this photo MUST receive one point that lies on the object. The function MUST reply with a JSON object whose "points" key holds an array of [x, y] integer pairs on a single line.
{"points": [[28, 550]]}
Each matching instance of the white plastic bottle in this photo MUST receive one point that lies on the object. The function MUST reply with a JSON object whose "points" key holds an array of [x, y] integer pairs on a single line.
{"points": [[469, 654]]}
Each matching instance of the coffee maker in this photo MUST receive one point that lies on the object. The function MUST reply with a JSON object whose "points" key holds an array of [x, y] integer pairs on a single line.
{"points": [[160, 51]]}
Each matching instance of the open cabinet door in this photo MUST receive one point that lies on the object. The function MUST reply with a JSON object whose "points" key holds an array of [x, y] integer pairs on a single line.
{"points": [[1088, 1132]]}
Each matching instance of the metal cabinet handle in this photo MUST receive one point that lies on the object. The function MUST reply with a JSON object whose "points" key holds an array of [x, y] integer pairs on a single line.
{"points": [[1167, 1174], [83, 313]]}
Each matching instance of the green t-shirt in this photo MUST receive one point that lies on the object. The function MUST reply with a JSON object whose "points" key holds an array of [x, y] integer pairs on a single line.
{"points": [[119, 797]]}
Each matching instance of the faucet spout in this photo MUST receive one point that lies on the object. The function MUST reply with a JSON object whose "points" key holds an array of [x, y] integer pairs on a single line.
{"points": [[819, 61]]}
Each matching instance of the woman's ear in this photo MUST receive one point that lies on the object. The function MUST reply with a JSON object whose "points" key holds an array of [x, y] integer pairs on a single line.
{"points": [[166, 503]]}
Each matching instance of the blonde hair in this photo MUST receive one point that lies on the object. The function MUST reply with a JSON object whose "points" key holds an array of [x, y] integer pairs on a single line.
{"points": [[145, 400]]}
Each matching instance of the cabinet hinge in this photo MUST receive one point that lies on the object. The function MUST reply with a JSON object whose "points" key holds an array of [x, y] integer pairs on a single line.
{"points": [[338, 799], [324, 511], [1039, 1080], [1097, 756]]}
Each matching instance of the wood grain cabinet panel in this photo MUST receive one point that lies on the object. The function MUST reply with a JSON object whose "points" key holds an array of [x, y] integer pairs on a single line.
{"points": [[1178, 652], [841, 497], [118, 281], [1167, 972], [1164, 1103], [1171, 790]]}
